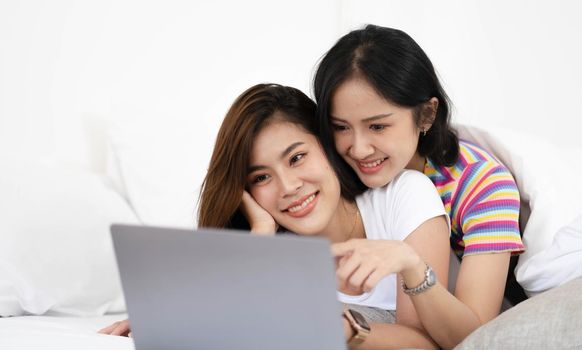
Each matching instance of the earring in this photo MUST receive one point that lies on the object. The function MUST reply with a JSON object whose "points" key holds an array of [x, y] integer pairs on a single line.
{"points": [[424, 132]]}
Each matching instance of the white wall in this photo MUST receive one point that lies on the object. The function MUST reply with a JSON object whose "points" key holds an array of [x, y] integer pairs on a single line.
{"points": [[514, 63], [68, 68]]}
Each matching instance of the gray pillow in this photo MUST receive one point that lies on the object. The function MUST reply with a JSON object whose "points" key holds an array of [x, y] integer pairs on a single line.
{"points": [[551, 320]]}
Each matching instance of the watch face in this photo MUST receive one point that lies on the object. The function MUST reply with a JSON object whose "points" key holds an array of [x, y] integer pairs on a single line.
{"points": [[360, 320], [431, 278]]}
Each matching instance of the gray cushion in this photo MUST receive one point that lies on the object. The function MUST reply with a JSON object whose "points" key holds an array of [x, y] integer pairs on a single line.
{"points": [[551, 320]]}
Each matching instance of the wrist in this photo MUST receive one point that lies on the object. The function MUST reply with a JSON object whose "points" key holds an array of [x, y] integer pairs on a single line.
{"points": [[348, 329], [415, 273], [429, 280], [263, 229], [360, 329]]}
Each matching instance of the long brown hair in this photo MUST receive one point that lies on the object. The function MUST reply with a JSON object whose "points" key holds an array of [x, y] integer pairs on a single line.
{"points": [[226, 178]]}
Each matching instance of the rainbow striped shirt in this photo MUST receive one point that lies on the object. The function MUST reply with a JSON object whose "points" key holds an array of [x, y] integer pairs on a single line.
{"points": [[482, 200]]}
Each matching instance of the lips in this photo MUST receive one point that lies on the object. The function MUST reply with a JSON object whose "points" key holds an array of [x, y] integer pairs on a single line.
{"points": [[371, 167], [303, 206]]}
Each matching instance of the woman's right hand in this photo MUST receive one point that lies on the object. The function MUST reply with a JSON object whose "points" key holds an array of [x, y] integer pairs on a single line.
{"points": [[362, 263], [120, 328], [261, 222]]}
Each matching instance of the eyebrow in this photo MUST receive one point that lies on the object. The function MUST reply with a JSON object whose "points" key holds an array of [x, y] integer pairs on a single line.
{"points": [[365, 120], [283, 155]]}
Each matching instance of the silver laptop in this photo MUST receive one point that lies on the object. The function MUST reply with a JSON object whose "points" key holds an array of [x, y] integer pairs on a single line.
{"points": [[220, 289]]}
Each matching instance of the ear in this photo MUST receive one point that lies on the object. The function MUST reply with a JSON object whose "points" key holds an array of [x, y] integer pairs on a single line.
{"points": [[428, 113]]}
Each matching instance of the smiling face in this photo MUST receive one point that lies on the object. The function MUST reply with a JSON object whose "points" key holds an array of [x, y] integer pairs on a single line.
{"points": [[291, 178], [378, 139]]}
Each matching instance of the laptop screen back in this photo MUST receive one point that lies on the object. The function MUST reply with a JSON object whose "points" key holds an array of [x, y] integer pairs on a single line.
{"points": [[211, 289]]}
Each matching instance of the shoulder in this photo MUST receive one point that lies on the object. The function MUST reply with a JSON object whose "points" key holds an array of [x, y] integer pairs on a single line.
{"points": [[408, 192], [408, 177], [412, 201], [475, 167], [472, 156], [405, 183], [483, 169], [398, 208], [411, 182]]}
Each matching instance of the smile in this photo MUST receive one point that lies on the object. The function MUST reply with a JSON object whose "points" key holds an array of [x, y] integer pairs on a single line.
{"points": [[303, 206], [372, 164], [371, 167]]}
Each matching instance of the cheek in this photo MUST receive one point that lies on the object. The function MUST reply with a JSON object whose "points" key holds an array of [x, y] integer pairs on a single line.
{"points": [[332, 182], [408, 134], [384, 141], [335, 186], [264, 197], [409, 128], [342, 142]]}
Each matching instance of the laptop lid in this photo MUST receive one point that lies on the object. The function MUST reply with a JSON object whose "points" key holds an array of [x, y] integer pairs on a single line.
{"points": [[219, 289]]}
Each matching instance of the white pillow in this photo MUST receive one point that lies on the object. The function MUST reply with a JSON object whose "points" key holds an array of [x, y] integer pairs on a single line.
{"points": [[56, 254], [550, 191], [560, 262], [160, 163]]}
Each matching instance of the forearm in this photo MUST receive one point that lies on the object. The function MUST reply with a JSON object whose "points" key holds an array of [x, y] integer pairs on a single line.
{"points": [[447, 319], [395, 336], [478, 296]]}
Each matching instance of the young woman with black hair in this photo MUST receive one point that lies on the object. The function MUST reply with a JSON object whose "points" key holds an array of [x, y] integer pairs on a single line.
{"points": [[382, 109]]}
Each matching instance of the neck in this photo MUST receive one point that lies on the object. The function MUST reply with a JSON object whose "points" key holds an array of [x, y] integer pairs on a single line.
{"points": [[417, 163], [346, 223]]}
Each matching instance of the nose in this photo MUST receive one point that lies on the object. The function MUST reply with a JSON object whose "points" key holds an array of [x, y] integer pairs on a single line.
{"points": [[360, 147], [290, 184]]}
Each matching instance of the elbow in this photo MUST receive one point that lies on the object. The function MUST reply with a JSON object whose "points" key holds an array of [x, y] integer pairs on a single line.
{"points": [[454, 337], [453, 340], [450, 345]]}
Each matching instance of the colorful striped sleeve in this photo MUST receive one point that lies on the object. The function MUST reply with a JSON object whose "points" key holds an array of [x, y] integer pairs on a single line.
{"points": [[487, 209]]}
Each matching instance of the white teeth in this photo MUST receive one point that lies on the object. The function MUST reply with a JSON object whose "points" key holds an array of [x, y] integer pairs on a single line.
{"points": [[302, 205], [373, 164]]}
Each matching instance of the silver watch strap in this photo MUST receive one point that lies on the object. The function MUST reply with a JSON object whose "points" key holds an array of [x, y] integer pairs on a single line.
{"points": [[429, 281]]}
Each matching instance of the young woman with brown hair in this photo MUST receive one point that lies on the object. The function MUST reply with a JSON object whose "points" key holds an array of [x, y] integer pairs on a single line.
{"points": [[268, 173]]}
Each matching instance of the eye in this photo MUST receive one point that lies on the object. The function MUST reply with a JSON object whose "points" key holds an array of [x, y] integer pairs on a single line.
{"points": [[339, 127], [378, 127], [260, 178], [296, 158]]}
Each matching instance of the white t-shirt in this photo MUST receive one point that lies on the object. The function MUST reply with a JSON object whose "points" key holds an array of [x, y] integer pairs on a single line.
{"points": [[393, 212]]}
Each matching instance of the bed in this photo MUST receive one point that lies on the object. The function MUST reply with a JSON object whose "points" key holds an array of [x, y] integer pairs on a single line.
{"points": [[60, 333], [56, 258], [56, 255]]}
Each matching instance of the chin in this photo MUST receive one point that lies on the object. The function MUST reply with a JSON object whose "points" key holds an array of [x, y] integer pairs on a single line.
{"points": [[377, 180], [307, 234], [373, 182], [304, 230]]}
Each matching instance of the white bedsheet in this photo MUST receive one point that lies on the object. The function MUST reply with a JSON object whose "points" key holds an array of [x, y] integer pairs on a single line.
{"points": [[60, 333]]}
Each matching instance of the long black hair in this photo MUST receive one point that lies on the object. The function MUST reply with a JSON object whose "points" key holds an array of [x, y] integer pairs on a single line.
{"points": [[401, 72]]}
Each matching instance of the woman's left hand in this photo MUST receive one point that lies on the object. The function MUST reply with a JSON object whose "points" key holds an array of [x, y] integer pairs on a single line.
{"points": [[261, 222], [362, 263]]}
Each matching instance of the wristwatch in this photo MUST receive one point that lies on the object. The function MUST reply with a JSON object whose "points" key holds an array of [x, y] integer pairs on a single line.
{"points": [[359, 325], [430, 280]]}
